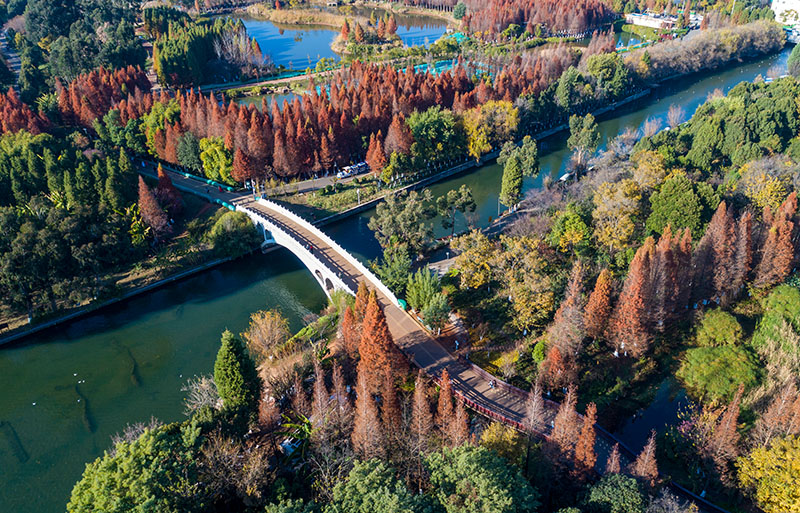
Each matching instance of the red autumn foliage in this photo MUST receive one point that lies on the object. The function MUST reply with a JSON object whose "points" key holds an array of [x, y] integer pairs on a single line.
{"points": [[316, 131], [585, 456], [167, 195], [366, 437], [152, 213], [379, 354], [628, 329], [599, 306], [16, 116], [92, 94], [777, 253]]}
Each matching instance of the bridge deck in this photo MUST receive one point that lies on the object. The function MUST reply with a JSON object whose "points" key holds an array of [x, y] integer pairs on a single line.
{"points": [[426, 352]]}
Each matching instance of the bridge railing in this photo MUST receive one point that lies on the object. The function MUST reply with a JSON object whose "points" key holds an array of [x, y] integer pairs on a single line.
{"points": [[352, 260], [293, 245]]}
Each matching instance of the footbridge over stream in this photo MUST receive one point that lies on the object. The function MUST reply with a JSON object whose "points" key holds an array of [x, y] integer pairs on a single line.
{"points": [[335, 268]]}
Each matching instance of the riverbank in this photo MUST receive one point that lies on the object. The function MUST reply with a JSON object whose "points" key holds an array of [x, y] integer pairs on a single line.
{"points": [[90, 308]]}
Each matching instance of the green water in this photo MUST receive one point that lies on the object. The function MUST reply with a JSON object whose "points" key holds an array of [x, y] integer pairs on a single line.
{"points": [[90, 378], [172, 334]]}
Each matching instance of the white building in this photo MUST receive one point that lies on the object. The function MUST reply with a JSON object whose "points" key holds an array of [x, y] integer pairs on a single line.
{"points": [[786, 12]]}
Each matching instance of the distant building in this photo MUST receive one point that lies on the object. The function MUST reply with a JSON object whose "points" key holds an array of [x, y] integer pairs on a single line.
{"points": [[655, 21], [787, 12]]}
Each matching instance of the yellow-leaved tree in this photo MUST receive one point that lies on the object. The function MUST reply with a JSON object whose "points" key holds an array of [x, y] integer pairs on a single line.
{"points": [[772, 474]]}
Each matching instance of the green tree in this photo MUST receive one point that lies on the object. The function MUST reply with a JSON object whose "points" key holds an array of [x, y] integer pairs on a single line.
{"points": [[437, 311], [570, 88], [401, 219], [793, 64], [471, 479], [422, 286], [395, 268], [511, 187], [437, 135], [583, 134], [456, 200], [569, 232], [373, 487], [610, 72], [217, 160], [189, 151], [713, 374], [771, 475], [676, 204], [290, 506], [459, 10], [233, 234], [616, 493], [155, 472], [236, 376]]}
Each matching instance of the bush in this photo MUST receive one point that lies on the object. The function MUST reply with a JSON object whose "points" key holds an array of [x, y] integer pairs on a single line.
{"points": [[373, 487], [233, 234], [471, 479], [718, 328], [714, 373], [616, 493]]}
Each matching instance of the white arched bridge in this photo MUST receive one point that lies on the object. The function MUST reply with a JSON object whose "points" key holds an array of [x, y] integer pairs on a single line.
{"points": [[335, 268]]}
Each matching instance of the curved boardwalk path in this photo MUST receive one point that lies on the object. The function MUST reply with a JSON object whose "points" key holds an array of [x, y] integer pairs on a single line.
{"points": [[503, 402]]}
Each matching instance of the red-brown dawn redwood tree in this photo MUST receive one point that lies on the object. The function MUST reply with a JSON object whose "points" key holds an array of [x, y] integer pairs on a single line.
{"points": [[645, 466], [567, 330], [777, 253], [398, 137], [585, 456], [391, 418], [444, 411], [300, 402], [724, 444], [628, 329], [612, 464], [367, 437], [458, 429], [421, 426], [377, 349], [151, 212], [599, 306], [362, 298], [320, 397], [743, 256], [781, 418], [566, 425], [350, 333], [376, 160], [167, 195]]}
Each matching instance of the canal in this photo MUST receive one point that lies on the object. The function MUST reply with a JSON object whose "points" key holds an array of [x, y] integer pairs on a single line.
{"points": [[68, 390]]}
